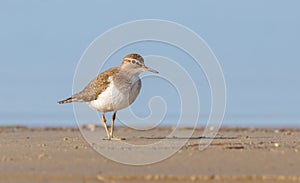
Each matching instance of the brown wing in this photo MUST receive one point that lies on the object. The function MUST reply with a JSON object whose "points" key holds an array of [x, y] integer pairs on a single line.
{"points": [[96, 86]]}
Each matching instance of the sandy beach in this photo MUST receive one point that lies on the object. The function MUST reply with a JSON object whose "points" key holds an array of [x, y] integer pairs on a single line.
{"points": [[235, 155]]}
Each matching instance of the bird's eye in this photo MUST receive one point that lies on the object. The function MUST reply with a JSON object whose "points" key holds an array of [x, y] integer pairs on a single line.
{"points": [[133, 61]]}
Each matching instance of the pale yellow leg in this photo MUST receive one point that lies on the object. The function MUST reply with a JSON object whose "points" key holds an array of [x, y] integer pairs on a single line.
{"points": [[112, 128], [112, 124], [105, 126]]}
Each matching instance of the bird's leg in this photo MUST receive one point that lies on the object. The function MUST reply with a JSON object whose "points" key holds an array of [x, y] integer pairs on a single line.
{"points": [[112, 128], [112, 124], [105, 126]]}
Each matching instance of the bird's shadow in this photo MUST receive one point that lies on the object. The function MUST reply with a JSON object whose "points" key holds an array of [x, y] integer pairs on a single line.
{"points": [[186, 138]]}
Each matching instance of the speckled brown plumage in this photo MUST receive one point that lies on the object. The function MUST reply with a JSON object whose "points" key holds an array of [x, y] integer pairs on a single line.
{"points": [[134, 56], [94, 88]]}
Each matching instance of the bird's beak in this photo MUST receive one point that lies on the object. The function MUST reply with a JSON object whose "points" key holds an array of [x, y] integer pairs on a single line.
{"points": [[150, 70]]}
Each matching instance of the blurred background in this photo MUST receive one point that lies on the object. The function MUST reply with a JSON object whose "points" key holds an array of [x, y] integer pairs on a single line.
{"points": [[256, 42]]}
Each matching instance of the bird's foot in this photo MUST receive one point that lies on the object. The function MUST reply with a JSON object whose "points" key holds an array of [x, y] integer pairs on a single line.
{"points": [[114, 138], [107, 138], [117, 138]]}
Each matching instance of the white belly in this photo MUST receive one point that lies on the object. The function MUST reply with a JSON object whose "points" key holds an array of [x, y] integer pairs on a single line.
{"points": [[113, 100]]}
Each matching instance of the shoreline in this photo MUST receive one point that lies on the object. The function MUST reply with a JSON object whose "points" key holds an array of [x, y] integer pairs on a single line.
{"points": [[160, 127]]}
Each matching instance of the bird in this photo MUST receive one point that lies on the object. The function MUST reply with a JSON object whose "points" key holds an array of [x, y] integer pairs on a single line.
{"points": [[113, 89]]}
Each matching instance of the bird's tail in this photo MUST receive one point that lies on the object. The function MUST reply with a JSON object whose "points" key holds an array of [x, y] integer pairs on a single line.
{"points": [[68, 100]]}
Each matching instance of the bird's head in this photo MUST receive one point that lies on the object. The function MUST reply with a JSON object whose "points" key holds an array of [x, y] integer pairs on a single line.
{"points": [[135, 63]]}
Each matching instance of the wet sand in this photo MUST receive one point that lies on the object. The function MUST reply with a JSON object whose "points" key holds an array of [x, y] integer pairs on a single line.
{"points": [[235, 155]]}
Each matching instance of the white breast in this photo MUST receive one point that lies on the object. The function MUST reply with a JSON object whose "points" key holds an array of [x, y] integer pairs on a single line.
{"points": [[112, 99]]}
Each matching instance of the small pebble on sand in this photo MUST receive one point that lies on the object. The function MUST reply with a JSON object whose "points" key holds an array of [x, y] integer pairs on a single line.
{"points": [[276, 144]]}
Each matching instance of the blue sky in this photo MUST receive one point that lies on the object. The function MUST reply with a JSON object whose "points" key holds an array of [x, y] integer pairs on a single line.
{"points": [[256, 43]]}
